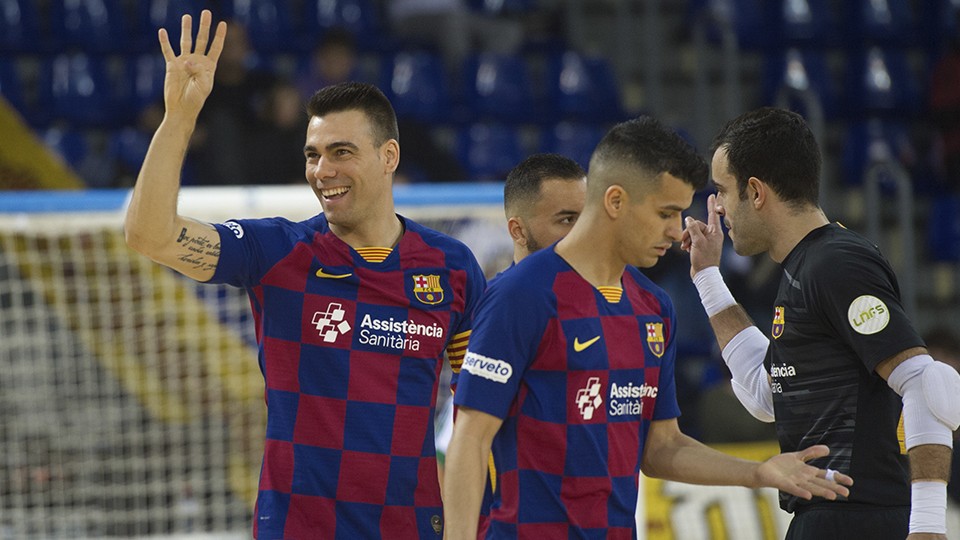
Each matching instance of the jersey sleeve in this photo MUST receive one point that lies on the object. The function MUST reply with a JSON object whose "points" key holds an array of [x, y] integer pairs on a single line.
{"points": [[857, 292], [457, 347], [507, 326], [666, 406], [248, 249]]}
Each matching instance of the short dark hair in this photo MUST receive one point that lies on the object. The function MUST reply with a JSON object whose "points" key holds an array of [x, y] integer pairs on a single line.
{"points": [[646, 144], [522, 186], [776, 146], [363, 97]]}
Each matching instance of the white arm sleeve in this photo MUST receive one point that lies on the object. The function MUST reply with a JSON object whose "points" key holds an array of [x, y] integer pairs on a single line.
{"points": [[744, 356], [931, 410]]}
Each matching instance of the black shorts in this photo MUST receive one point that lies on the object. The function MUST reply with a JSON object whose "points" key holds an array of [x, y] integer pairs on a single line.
{"points": [[849, 522]]}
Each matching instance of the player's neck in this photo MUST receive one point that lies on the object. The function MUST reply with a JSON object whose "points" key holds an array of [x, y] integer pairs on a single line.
{"points": [[792, 228], [593, 256], [380, 231]]}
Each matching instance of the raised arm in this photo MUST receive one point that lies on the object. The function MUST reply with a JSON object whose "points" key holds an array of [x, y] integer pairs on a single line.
{"points": [[152, 226], [742, 345]]}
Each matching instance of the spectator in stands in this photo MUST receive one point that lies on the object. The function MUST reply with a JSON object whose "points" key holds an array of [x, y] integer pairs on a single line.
{"points": [[276, 155], [453, 28], [231, 112], [333, 60]]}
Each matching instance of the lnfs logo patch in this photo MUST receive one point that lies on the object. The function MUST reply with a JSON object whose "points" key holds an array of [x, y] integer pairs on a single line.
{"points": [[777, 322], [427, 288], [655, 338]]}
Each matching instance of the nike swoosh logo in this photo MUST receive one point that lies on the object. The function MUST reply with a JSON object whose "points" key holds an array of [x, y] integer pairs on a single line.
{"points": [[322, 274], [579, 347]]}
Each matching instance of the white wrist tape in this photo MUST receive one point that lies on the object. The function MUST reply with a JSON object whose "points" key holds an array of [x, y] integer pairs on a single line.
{"points": [[928, 507], [931, 410], [744, 356], [714, 294]]}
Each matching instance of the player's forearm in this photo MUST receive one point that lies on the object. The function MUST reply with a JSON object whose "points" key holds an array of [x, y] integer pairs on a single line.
{"points": [[687, 460], [730, 322], [930, 462], [151, 220], [463, 482]]}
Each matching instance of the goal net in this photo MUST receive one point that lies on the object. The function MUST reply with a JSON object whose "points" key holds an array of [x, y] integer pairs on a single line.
{"points": [[131, 398]]}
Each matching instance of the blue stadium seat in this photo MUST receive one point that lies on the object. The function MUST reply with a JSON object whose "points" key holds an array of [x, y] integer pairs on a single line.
{"points": [[142, 83], [417, 85], [70, 144], [89, 25], [499, 87], [748, 19], [870, 141], [20, 27], [78, 90], [805, 22], [583, 87], [360, 17], [798, 70], [878, 21], [489, 150], [574, 140], [128, 146], [881, 82], [943, 229], [936, 23], [269, 24]]}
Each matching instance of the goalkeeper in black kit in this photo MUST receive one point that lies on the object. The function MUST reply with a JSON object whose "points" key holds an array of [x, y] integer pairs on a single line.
{"points": [[842, 364]]}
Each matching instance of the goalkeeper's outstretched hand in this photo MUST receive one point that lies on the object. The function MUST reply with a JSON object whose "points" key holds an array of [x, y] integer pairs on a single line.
{"points": [[189, 78]]}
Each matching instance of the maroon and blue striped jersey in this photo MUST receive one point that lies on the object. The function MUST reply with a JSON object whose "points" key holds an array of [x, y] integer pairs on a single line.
{"points": [[577, 374], [351, 352]]}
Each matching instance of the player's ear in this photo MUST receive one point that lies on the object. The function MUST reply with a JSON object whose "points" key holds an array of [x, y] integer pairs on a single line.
{"points": [[390, 155], [517, 231], [614, 200], [757, 192]]}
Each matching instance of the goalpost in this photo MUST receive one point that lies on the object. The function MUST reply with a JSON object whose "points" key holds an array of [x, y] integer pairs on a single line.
{"points": [[131, 397]]}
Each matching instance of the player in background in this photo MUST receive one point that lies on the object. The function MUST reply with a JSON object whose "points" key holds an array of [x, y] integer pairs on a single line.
{"points": [[569, 372], [354, 310], [542, 199], [842, 352]]}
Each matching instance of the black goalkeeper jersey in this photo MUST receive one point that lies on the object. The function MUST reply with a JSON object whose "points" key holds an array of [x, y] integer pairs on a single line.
{"points": [[838, 315]]}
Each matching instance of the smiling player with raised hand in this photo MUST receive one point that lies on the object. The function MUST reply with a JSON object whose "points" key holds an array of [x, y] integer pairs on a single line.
{"points": [[354, 308]]}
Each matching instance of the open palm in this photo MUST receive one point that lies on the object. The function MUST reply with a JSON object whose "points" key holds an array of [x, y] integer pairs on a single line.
{"points": [[189, 78]]}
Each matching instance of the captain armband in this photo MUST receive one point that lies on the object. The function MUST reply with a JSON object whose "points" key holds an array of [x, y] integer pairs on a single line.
{"points": [[931, 410], [744, 356]]}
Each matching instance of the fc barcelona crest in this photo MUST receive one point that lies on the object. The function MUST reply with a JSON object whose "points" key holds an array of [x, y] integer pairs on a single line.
{"points": [[655, 338], [777, 322], [427, 288]]}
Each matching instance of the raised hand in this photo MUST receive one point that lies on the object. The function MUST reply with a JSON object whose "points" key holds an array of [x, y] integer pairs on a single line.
{"points": [[790, 473], [189, 78], [704, 241]]}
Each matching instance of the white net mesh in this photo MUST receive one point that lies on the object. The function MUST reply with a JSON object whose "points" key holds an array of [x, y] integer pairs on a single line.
{"points": [[132, 400]]}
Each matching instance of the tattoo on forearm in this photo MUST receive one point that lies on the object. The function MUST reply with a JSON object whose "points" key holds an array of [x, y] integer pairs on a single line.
{"points": [[198, 248]]}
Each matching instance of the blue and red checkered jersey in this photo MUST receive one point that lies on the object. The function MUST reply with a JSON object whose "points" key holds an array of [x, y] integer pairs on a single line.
{"points": [[351, 353], [577, 374]]}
